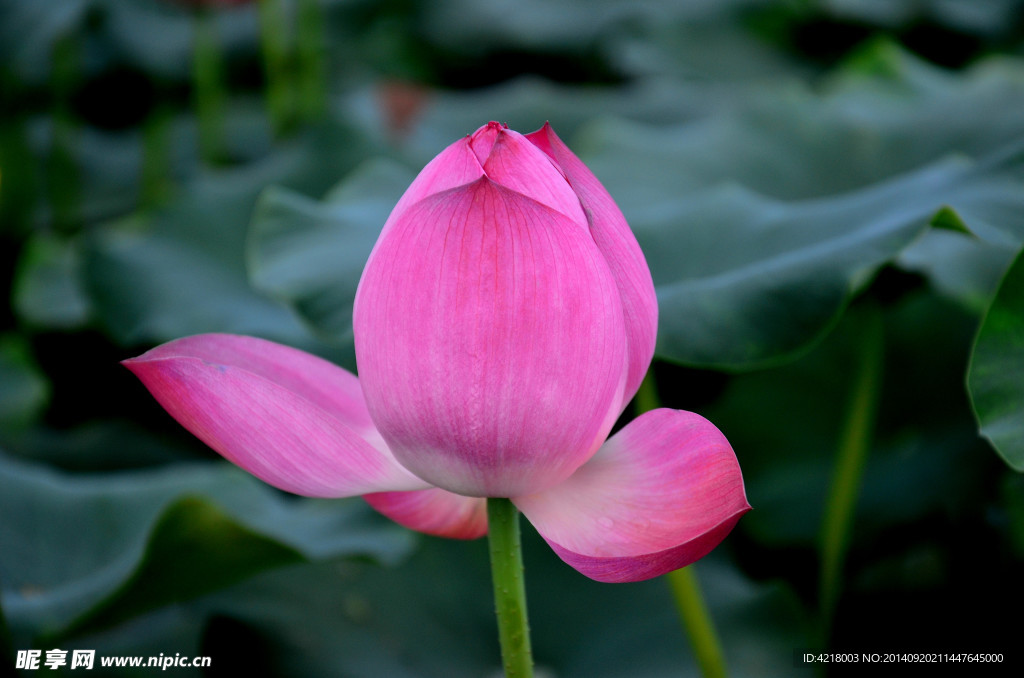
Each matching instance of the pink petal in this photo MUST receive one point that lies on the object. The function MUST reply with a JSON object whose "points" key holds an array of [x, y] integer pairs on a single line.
{"points": [[294, 420], [434, 511], [490, 342], [482, 140], [659, 495], [455, 166], [618, 245], [517, 164]]}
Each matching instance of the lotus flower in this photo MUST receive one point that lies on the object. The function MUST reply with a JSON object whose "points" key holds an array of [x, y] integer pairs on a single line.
{"points": [[505, 318]]}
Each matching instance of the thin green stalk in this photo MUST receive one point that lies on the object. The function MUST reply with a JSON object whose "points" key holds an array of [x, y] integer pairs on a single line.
{"points": [[693, 612], [311, 57], [699, 626], [647, 395], [854, 444], [274, 44], [208, 80], [509, 589], [156, 170]]}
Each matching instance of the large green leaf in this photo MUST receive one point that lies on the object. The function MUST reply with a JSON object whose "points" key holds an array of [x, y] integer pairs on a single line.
{"points": [[535, 25], [130, 28], [109, 546], [48, 286], [433, 616], [109, 444], [700, 42], [105, 169], [150, 287], [24, 391], [28, 31], [759, 223], [311, 253], [194, 548], [181, 269], [986, 17], [965, 269], [884, 115], [526, 103], [743, 279], [156, 36], [785, 425], [996, 375]]}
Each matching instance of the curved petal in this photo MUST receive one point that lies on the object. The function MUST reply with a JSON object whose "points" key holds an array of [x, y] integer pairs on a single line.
{"points": [[434, 511], [291, 419], [490, 342], [482, 140], [517, 164], [455, 166], [323, 383], [616, 242], [660, 494]]}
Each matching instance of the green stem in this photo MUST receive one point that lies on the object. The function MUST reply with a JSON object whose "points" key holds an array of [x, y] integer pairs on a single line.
{"points": [[693, 612], [156, 163], [274, 43], [208, 80], [854, 444], [647, 395], [509, 589], [311, 57], [699, 626]]}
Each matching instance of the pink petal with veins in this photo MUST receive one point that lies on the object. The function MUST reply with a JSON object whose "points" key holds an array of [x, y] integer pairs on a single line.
{"points": [[435, 511], [294, 420], [660, 494], [617, 243], [517, 164], [490, 342]]}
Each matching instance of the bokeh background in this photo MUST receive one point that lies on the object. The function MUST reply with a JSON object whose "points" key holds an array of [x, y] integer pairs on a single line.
{"points": [[830, 195]]}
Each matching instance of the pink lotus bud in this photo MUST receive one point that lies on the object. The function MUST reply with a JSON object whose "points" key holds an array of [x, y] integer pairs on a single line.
{"points": [[489, 324], [504, 319]]}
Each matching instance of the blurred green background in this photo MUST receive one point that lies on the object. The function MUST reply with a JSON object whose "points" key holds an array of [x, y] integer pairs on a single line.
{"points": [[830, 195]]}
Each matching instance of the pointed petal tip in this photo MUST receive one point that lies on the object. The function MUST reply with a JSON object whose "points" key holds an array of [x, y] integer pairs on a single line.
{"points": [[288, 417], [139, 363], [517, 163], [541, 138]]}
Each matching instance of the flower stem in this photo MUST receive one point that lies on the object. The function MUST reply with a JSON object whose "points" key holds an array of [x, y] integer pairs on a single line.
{"points": [[156, 163], [698, 623], [274, 43], [854, 444], [700, 628], [208, 78], [647, 395], [311, 58], [509, 589]]}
